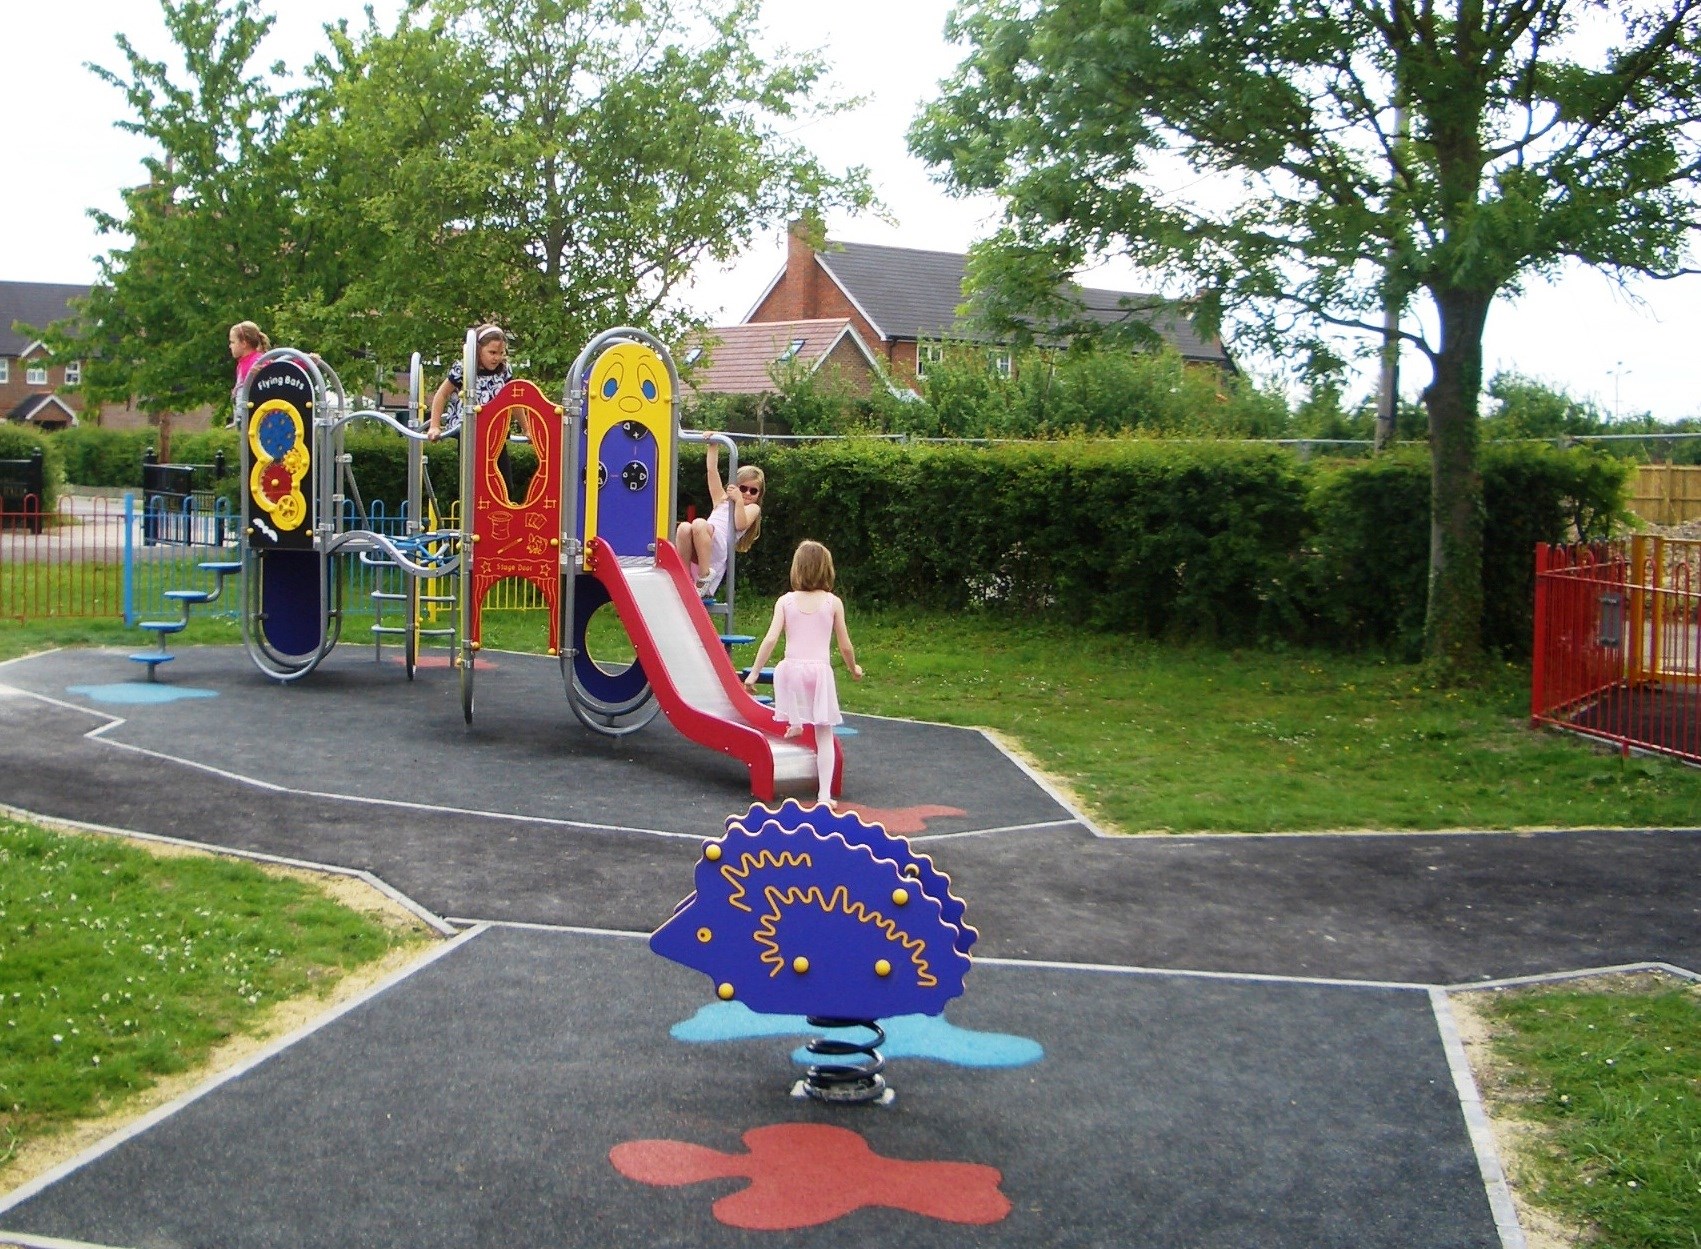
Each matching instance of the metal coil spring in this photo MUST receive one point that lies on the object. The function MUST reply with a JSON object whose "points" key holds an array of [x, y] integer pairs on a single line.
{"points": [[849, 1072]]}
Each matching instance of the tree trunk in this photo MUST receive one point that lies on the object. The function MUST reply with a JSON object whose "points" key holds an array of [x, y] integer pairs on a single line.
{"points": [[1453, 622]]}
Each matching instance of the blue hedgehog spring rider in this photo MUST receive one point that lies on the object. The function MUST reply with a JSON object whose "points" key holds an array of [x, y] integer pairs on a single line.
{"points": [[807, 911]]}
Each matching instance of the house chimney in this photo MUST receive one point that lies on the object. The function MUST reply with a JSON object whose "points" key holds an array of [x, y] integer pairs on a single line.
{"points": [[802, 274]]}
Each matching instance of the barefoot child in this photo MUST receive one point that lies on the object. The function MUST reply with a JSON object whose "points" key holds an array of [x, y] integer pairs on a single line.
{"points": [[804, 690]]}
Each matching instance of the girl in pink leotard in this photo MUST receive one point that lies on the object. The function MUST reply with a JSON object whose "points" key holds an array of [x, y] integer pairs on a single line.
{"points": [[804, 690]]}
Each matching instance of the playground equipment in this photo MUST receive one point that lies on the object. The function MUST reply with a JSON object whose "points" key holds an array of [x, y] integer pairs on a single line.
{"points": [[293, 413], [806, 911], [622, 458], [591, 529]]}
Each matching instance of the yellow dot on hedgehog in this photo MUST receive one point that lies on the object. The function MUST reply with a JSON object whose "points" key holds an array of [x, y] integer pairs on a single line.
{"points": [[900, 897], [712, 853], [724, 993], [800, 964], [882, 967], [704, 935]]}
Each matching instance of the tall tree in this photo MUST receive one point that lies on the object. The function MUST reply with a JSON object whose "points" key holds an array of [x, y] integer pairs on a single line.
{"points": [[1253, 147], [559, 166], [201, 231], [556, 165]]}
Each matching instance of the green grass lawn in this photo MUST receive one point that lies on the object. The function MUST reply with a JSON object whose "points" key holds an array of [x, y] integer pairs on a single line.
{"points": [[119, 966], [1611, 1078], [1188, 739]]}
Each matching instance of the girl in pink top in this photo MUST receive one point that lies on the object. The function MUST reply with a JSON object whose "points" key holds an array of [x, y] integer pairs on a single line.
{"points": [[804, 691], [247, 345]]}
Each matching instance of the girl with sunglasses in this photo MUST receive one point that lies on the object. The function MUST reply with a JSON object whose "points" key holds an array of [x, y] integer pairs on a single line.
{"points": [[735, 517]]}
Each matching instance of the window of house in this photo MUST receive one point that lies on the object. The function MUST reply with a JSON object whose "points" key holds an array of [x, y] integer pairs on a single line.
{"points": [[35, 375], [790, 353], [1001, 363], [926, 356], [74, 373], [5, 371], [694, 355]]}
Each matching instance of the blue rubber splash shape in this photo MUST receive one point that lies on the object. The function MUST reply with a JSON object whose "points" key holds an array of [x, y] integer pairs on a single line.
{"points": [[135, 693], [907, 1036]]}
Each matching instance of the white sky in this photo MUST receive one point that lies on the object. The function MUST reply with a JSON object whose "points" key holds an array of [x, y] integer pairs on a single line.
{"points": [[66, 156]]}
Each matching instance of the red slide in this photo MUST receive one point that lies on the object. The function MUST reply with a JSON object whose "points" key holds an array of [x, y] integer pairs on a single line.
{"points": [[694, 680]]}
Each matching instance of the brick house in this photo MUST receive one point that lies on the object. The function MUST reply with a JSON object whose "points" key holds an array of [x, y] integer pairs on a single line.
{"points": [[899, 299], [30, 377], [39, 390], [743, 359]]}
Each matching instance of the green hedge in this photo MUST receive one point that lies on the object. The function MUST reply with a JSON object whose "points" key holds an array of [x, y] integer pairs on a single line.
{"points": [[1227, 541], [17, 442], [1149, 537]]}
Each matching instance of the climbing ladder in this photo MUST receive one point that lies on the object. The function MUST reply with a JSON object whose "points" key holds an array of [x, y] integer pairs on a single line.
{"points": [[187, 601]]}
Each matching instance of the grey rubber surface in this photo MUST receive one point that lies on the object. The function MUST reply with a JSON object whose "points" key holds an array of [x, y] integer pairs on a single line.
{"points": [[528, 817], [475, 1101], [476, 1104]]}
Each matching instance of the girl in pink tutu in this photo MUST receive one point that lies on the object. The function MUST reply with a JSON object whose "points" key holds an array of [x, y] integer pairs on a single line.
{"points": [[804, 691]]}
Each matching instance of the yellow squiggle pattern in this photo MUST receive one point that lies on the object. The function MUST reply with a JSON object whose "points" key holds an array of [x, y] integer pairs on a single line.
{"points": [[747, 863], [840, 901]]}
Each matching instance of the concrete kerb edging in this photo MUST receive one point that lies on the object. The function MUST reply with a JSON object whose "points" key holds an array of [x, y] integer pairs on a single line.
{"points": [[160, 1113], [1477, 1125]]}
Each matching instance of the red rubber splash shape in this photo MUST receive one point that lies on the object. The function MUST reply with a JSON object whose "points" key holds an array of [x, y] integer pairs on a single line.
{"points": [[904, 820], [807, 1174]]}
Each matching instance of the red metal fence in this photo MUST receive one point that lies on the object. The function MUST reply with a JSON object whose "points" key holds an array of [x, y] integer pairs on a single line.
{"points": [[1618, 643], [68, 562]]}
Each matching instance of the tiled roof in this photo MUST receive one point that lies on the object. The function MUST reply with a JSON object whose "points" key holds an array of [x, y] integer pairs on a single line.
{"points": [[909, 293], [33, 408], [34, 303], [738, 359]]}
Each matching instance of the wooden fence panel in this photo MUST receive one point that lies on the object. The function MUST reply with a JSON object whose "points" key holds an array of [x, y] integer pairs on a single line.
{"points": [[1667, 494]]}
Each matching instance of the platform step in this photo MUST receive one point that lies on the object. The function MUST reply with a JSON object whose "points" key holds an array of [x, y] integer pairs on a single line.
{"points": [[221, 567], [387, 596], [152, 658], [189, 596], [737, 639], [163, 626], [765, 677]]}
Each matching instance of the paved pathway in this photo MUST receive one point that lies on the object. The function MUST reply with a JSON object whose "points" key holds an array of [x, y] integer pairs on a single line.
{"points": [[1244, 1040]]}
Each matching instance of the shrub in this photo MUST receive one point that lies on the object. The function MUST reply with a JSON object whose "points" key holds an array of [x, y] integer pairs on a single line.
{"points": [[105, 457], [20, 443]]}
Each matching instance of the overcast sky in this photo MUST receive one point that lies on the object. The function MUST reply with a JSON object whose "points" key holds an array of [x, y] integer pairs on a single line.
{"points": [[66, 156]]}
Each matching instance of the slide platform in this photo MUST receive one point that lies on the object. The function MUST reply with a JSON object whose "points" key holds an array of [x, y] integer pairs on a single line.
{"points": [[692, 676]]}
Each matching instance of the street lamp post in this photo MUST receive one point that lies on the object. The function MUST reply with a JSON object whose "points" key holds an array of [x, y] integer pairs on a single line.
{"points": [[1617, 371]]}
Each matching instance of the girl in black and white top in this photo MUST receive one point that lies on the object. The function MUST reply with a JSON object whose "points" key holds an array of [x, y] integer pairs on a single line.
{"points": [[448, 405]]}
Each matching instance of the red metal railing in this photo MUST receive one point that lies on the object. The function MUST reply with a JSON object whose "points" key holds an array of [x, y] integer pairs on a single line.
{"points": [[1618, 643], [67, 562]]}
